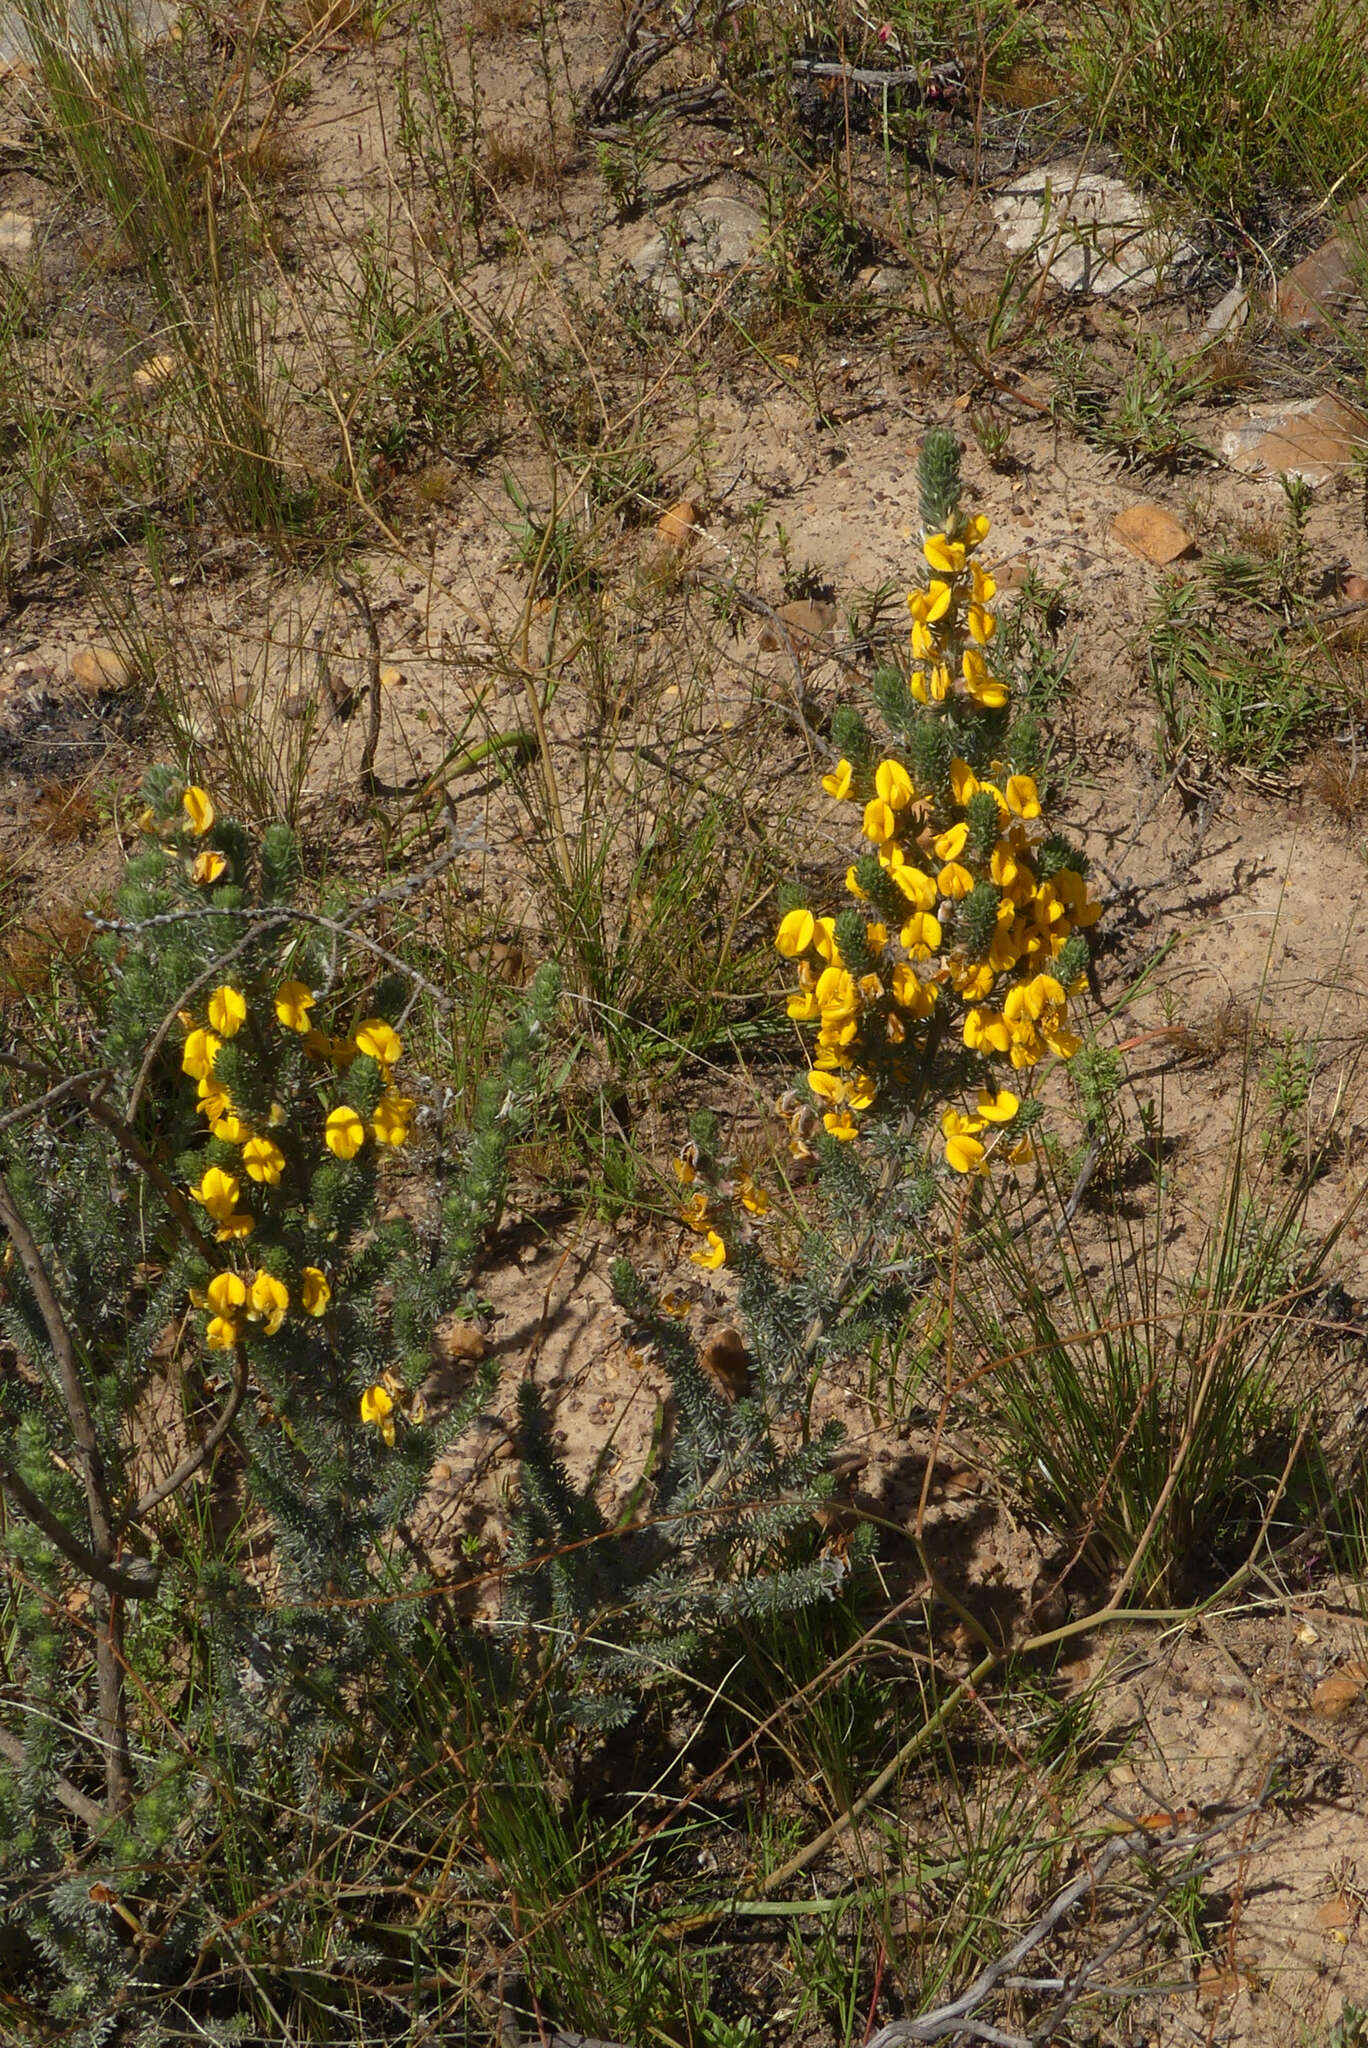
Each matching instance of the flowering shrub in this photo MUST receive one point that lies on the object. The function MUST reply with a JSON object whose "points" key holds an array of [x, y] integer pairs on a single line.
{"points": [[972, 915]]}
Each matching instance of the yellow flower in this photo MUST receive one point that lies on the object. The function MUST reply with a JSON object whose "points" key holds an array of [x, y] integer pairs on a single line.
{"points": [[795, 934], [841, 1124], [227, 1010], [917, 887], [963, 781], [804, 1007], [714, 1256], [209, 866], [824, 939], [344, 1133], [893, 783], [983, 687], [198, 809], [269, 1299], [853, 884], [231, 1128], [933, 688], [225, 1293], [1022, 796], [954, 881], [964, 1154], [949, 845], [217, 1192], [945, 556], [214, 1099], [982, 624], [880, 821], [999, 1108], [838, 783], [976, 531], [220, 1333], [390, 1123], [293, 1003], [985, 589], [314, 1291], [752, 1198], [986, 1030], [379, 1041], [197, 1059], [263, 1160], [377, 1407], [921, 934]]}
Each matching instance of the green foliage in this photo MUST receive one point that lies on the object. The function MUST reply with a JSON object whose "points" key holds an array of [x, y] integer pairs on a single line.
{"points": [[1290, 93], [279, 1676]]}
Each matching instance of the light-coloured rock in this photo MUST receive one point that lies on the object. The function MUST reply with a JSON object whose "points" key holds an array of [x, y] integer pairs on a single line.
{"points": [[678, 525], [1152, 533], [391, 677], [1313, 438], [1228, 315], [1089, 232], [809, 622], [710, 240], [153, 373], [16, 236], [1335, 1696], [1321, 291], [101, 671]]}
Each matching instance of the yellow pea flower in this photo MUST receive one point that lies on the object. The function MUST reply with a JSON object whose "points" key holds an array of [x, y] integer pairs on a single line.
{"points": [[390, 1123], [982, 624], [999, 1108], [984, 688], [916, 886], [293, 1002], [752, 1197], [314, 1291], [1022, 796], [893, 783], [963, 781], [220, 1333], [344, 1133], [263, 1160], [853, 884], [985, 588], [379, 1041], [838, 783], [986, 1030], [199, 809], [949, 845], [828, 1087], [976, 531], [197, 1060], [269, 1298], [227, 1010], [876, 938], [208, 867], [954, 881], [231, 1128], [217, 1192], [225, 1293], [797, 928], [377, 1407], [214, 1099], [841, 1124], [945, 556], [824, 939], [804, 1007], [880, 821], [964, 1154], [714, 1256], [921, 935]]}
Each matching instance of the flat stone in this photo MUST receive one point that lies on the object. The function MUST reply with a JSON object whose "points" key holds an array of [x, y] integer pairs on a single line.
{"points": [[1313, 438], [1152, 533], [809, 621], [1335, 1696], [1229, 313], [678, 525], [1320, 291], [712, 239], [101, 671], [16, 236], [1088, 232]]}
